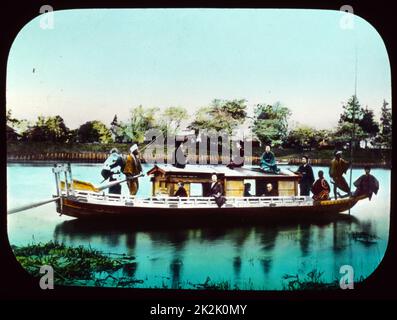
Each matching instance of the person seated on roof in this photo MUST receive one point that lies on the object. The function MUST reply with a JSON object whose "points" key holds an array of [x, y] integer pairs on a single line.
{"points": [[112, 168], [320, 188], [366, 185], [237, 160], [247, 189], [181, 192], [268, 162], [270, 192]]}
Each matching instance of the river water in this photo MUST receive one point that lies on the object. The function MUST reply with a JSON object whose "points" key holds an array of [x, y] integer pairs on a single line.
{"points": [[244, 257]]}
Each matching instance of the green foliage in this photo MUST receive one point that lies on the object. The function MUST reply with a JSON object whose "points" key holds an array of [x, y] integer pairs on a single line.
{"points": [[73, 265], [94, 131], [271, 123], [385, 134], [52, 129], [311, 281], [221, 115], [118, 130], [352, 125], [302, 137], [172, 118], [368, 124], [141, 120]]}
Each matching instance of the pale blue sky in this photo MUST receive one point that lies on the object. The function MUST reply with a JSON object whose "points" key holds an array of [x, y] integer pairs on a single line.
{"points": [[96, 63]]}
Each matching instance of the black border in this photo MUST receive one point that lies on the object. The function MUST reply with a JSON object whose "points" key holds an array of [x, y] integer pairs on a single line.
{"points": [[16, 284]]}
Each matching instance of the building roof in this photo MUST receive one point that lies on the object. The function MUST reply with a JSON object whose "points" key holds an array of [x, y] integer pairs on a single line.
{"points": [[242, 172]]}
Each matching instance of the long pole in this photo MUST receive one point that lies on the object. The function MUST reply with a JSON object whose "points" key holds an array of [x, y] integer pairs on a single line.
{"points": [[32, 205], [355, 103], [115, 183]]}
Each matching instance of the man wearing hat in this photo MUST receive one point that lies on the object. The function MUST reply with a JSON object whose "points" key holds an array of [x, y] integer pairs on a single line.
{"points": [[112, 168], [132, 168], [337, 169]]}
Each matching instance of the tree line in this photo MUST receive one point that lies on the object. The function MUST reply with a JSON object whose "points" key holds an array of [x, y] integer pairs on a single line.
{"points": [[269, 124]]}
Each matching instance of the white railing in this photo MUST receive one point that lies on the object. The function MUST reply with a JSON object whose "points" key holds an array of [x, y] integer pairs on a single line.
{"points": [[186, 202]]}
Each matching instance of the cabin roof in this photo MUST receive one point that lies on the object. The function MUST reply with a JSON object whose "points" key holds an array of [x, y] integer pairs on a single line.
{"points": [[242, 172]]}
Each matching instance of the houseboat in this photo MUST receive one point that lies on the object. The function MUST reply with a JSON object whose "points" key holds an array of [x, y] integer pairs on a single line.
{"points": [[83, 200]]}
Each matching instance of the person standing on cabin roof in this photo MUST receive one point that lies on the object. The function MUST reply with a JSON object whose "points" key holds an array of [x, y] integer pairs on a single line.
{"points": [[132, 168], [307, 177], [268, 162], [181, 192], [112, 168], [320, 188], [337, 169], [216, 191], [366, 185], [179, 156]]}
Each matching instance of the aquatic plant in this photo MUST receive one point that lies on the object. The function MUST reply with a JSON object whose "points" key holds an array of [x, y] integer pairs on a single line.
{"points": [[75, 265], [311, 281]]}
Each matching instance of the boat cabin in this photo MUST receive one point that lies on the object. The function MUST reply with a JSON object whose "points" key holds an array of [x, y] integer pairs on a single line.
{"points": [[197, 180]]}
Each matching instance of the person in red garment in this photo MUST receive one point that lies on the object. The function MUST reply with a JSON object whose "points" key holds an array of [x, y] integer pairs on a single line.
{"points": [[320, 188]]}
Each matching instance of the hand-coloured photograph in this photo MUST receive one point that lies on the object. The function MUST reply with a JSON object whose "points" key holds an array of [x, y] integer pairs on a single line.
{"points": [[199, 149]]}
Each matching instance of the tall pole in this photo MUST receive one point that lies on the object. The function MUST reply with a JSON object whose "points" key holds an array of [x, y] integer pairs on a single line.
{"points": [[355, 103]]}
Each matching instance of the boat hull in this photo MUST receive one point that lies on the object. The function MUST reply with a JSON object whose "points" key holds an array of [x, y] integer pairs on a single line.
{"points": [[85, 210]]}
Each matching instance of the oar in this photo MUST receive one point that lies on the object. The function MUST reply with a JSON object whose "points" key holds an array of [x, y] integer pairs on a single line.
{"points": [[115, 183], [32, 205]]}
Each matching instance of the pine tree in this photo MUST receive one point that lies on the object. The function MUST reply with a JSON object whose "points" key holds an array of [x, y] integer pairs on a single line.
{"points": [[385, 135]]}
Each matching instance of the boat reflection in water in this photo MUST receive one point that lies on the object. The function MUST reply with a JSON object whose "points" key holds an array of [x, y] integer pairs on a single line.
{"points": [[181, 257]]}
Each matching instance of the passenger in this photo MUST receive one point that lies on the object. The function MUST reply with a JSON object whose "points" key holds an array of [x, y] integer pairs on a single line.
{"points": [[181, 192], [132, 168], [268, 161], [366, 185], [112, 168], [321, 188], [216, 191], [306, 172], [270, 192], [247, 189], [337, 169]]}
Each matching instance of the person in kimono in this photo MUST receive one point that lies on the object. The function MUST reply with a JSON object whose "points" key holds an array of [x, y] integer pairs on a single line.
{"points": [[112, 168], [337, 169], [247, 190], [320, 188], [179, 157], [133, 167], [181, 192], [270, 191], [216, 191], [307, 177], [268, 161], [366, 185]]}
